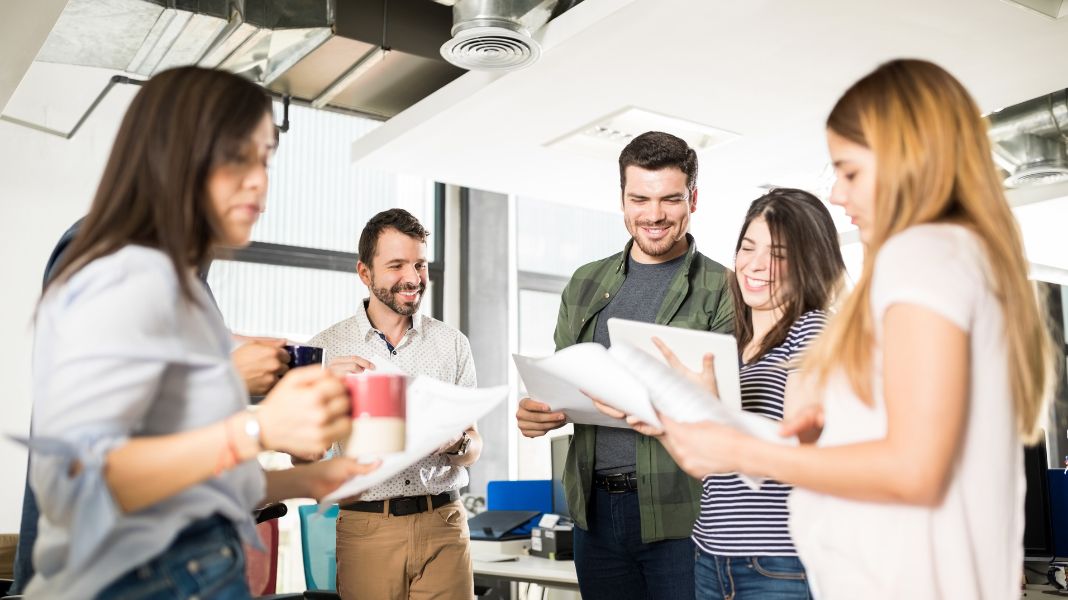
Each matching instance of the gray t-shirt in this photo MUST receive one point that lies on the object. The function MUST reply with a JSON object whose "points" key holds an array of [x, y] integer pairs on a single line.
{"points": [[639, 299]]}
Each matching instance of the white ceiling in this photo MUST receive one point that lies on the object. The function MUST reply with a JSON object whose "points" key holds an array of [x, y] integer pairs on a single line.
{"points": [[767, 69]]}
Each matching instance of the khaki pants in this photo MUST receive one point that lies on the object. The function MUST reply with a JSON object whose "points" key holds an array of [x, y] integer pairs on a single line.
{"points": [[425, 556]]}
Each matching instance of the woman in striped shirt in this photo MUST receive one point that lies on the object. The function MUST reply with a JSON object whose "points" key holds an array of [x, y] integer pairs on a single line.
{"points": [[788, 267]]}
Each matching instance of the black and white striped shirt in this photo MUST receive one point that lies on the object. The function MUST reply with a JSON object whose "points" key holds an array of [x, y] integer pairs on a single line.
{"points": [[736, 520]]}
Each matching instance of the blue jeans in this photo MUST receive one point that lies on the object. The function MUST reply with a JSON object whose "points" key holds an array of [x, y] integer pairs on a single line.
{"points": [[614, 564], [27, 537], [750, 577], [205, 561]]}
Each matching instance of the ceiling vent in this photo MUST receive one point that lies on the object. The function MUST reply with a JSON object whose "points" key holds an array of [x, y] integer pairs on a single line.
{"points": [[1030, 140], [495, 35]]}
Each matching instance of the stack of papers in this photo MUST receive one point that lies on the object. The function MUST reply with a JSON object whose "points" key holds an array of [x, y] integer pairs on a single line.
{"points": [[633, 381]]}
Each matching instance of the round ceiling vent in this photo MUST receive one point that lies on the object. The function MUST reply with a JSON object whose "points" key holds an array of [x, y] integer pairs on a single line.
{"points": [[1037, 175], [491, 49]]}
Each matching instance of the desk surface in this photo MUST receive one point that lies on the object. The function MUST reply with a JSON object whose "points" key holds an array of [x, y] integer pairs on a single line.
{"points": [[1042, 592], [531, 568]]}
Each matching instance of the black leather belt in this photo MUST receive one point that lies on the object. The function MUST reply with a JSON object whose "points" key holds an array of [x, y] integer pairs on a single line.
{"points": [[405, 505], [617, 483]]}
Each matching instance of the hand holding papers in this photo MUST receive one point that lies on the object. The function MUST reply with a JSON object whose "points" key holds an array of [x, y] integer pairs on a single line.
{"points": [[561, 379], [640, 385], [682, 400]]}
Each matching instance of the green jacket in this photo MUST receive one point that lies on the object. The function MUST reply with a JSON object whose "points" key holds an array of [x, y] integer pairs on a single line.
{"points": [[697, 298]]}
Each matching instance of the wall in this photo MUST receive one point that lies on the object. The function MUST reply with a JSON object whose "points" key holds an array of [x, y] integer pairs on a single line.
{"points": [[46, 183], [485, 321]]}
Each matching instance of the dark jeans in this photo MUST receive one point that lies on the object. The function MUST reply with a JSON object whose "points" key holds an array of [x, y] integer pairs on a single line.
{"points": [[205, 561], [614, 564], [750, 578], [27, 536]]}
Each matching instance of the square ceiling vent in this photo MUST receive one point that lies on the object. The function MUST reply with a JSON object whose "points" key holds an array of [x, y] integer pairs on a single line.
{"points": [[1054, 9], [606, 137]]}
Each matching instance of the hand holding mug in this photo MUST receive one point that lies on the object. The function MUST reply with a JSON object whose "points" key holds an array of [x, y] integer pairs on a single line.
{"points": [[260, 363], [305, 413]]}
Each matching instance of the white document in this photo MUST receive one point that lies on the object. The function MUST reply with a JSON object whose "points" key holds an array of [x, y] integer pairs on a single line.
{"points": [[690, 347], [684, 401], [560, 380], [436, 412], [636, 383]]}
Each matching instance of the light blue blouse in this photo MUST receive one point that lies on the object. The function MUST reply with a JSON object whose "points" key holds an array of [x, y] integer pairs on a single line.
{"points": [[119, 352]]}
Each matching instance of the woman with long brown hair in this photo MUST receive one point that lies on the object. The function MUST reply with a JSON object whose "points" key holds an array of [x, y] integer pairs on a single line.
{"points": [[922, 389], [144, 455], [788, 271]]}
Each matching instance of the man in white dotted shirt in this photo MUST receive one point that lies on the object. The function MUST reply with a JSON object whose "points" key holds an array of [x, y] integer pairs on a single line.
{"points": [[407, 537]]}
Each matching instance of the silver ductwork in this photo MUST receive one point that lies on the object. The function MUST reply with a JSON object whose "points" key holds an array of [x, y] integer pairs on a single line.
{"points": [[495, 35], [1030, 140], [366, 56]]}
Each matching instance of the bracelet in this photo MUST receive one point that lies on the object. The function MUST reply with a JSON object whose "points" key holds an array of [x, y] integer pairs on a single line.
{"points": [[228, 455]]}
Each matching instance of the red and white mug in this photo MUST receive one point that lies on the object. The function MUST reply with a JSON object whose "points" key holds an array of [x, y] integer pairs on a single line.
{"points": [[378, 413]]}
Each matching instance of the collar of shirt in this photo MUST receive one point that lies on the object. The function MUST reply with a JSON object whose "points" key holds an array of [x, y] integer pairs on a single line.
{"points": [[367, 330]]}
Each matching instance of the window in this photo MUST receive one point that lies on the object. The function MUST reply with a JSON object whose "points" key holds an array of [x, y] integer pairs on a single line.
{"points": [[291, 302], [298, 275], [552, 240]]}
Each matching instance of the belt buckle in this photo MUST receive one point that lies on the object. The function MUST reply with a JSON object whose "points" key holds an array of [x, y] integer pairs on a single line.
{"points": [[615, 483], [408, 505]]}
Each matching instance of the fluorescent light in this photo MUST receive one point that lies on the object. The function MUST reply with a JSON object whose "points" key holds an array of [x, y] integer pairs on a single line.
{"points": [[606, 137], [365, 64]]}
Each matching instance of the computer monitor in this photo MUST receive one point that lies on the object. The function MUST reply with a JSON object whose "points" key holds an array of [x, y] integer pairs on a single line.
{"points": [[1038, 521], [560, 445]]}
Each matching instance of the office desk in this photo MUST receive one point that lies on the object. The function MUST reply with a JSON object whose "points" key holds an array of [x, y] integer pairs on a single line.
{"points": [[533, 569], [1042, 592]]}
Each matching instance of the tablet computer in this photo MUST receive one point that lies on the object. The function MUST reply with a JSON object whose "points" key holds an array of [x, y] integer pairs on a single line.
{"points": [[690, 346]]}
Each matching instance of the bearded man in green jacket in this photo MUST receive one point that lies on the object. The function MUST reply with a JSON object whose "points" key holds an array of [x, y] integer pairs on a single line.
{"points": [[633, 506]]}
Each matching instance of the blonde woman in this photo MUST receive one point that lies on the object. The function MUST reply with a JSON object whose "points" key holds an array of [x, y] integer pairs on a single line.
{"points": [[923, 388]]}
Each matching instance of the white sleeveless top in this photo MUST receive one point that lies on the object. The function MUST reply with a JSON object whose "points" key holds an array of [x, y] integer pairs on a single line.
{"points": [[971, 546]]}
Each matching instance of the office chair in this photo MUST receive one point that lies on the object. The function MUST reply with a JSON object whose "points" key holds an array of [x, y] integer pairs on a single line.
{"points": [[318, 541]]}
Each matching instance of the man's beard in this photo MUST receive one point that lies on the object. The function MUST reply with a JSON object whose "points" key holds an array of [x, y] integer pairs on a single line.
{"points": [[390, 299], [654, 248]]}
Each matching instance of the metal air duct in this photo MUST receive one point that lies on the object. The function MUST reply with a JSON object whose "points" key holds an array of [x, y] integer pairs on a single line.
{"points": [[1029, 140], [495, 35]]}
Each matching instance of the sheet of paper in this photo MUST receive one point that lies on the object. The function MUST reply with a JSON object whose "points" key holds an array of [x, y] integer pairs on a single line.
{"points": [[436, 412], [690, 347], [384, 366], [560, 379]]}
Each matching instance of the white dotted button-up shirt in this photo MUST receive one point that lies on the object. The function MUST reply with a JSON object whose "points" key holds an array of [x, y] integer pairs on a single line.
{"points": [[429, 348]]}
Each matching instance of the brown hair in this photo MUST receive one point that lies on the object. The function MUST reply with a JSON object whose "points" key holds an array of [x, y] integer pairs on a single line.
{"points": [[181, 125], [802, 225], [655, 150], [934, 165], [394, 218]]}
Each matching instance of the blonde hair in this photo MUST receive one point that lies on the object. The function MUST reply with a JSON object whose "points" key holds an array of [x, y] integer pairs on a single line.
{"points": [[934, 165]]}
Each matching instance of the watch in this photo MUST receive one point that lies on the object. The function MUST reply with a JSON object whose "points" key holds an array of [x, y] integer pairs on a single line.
{"points": [[465, 441], [252, 428]]}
